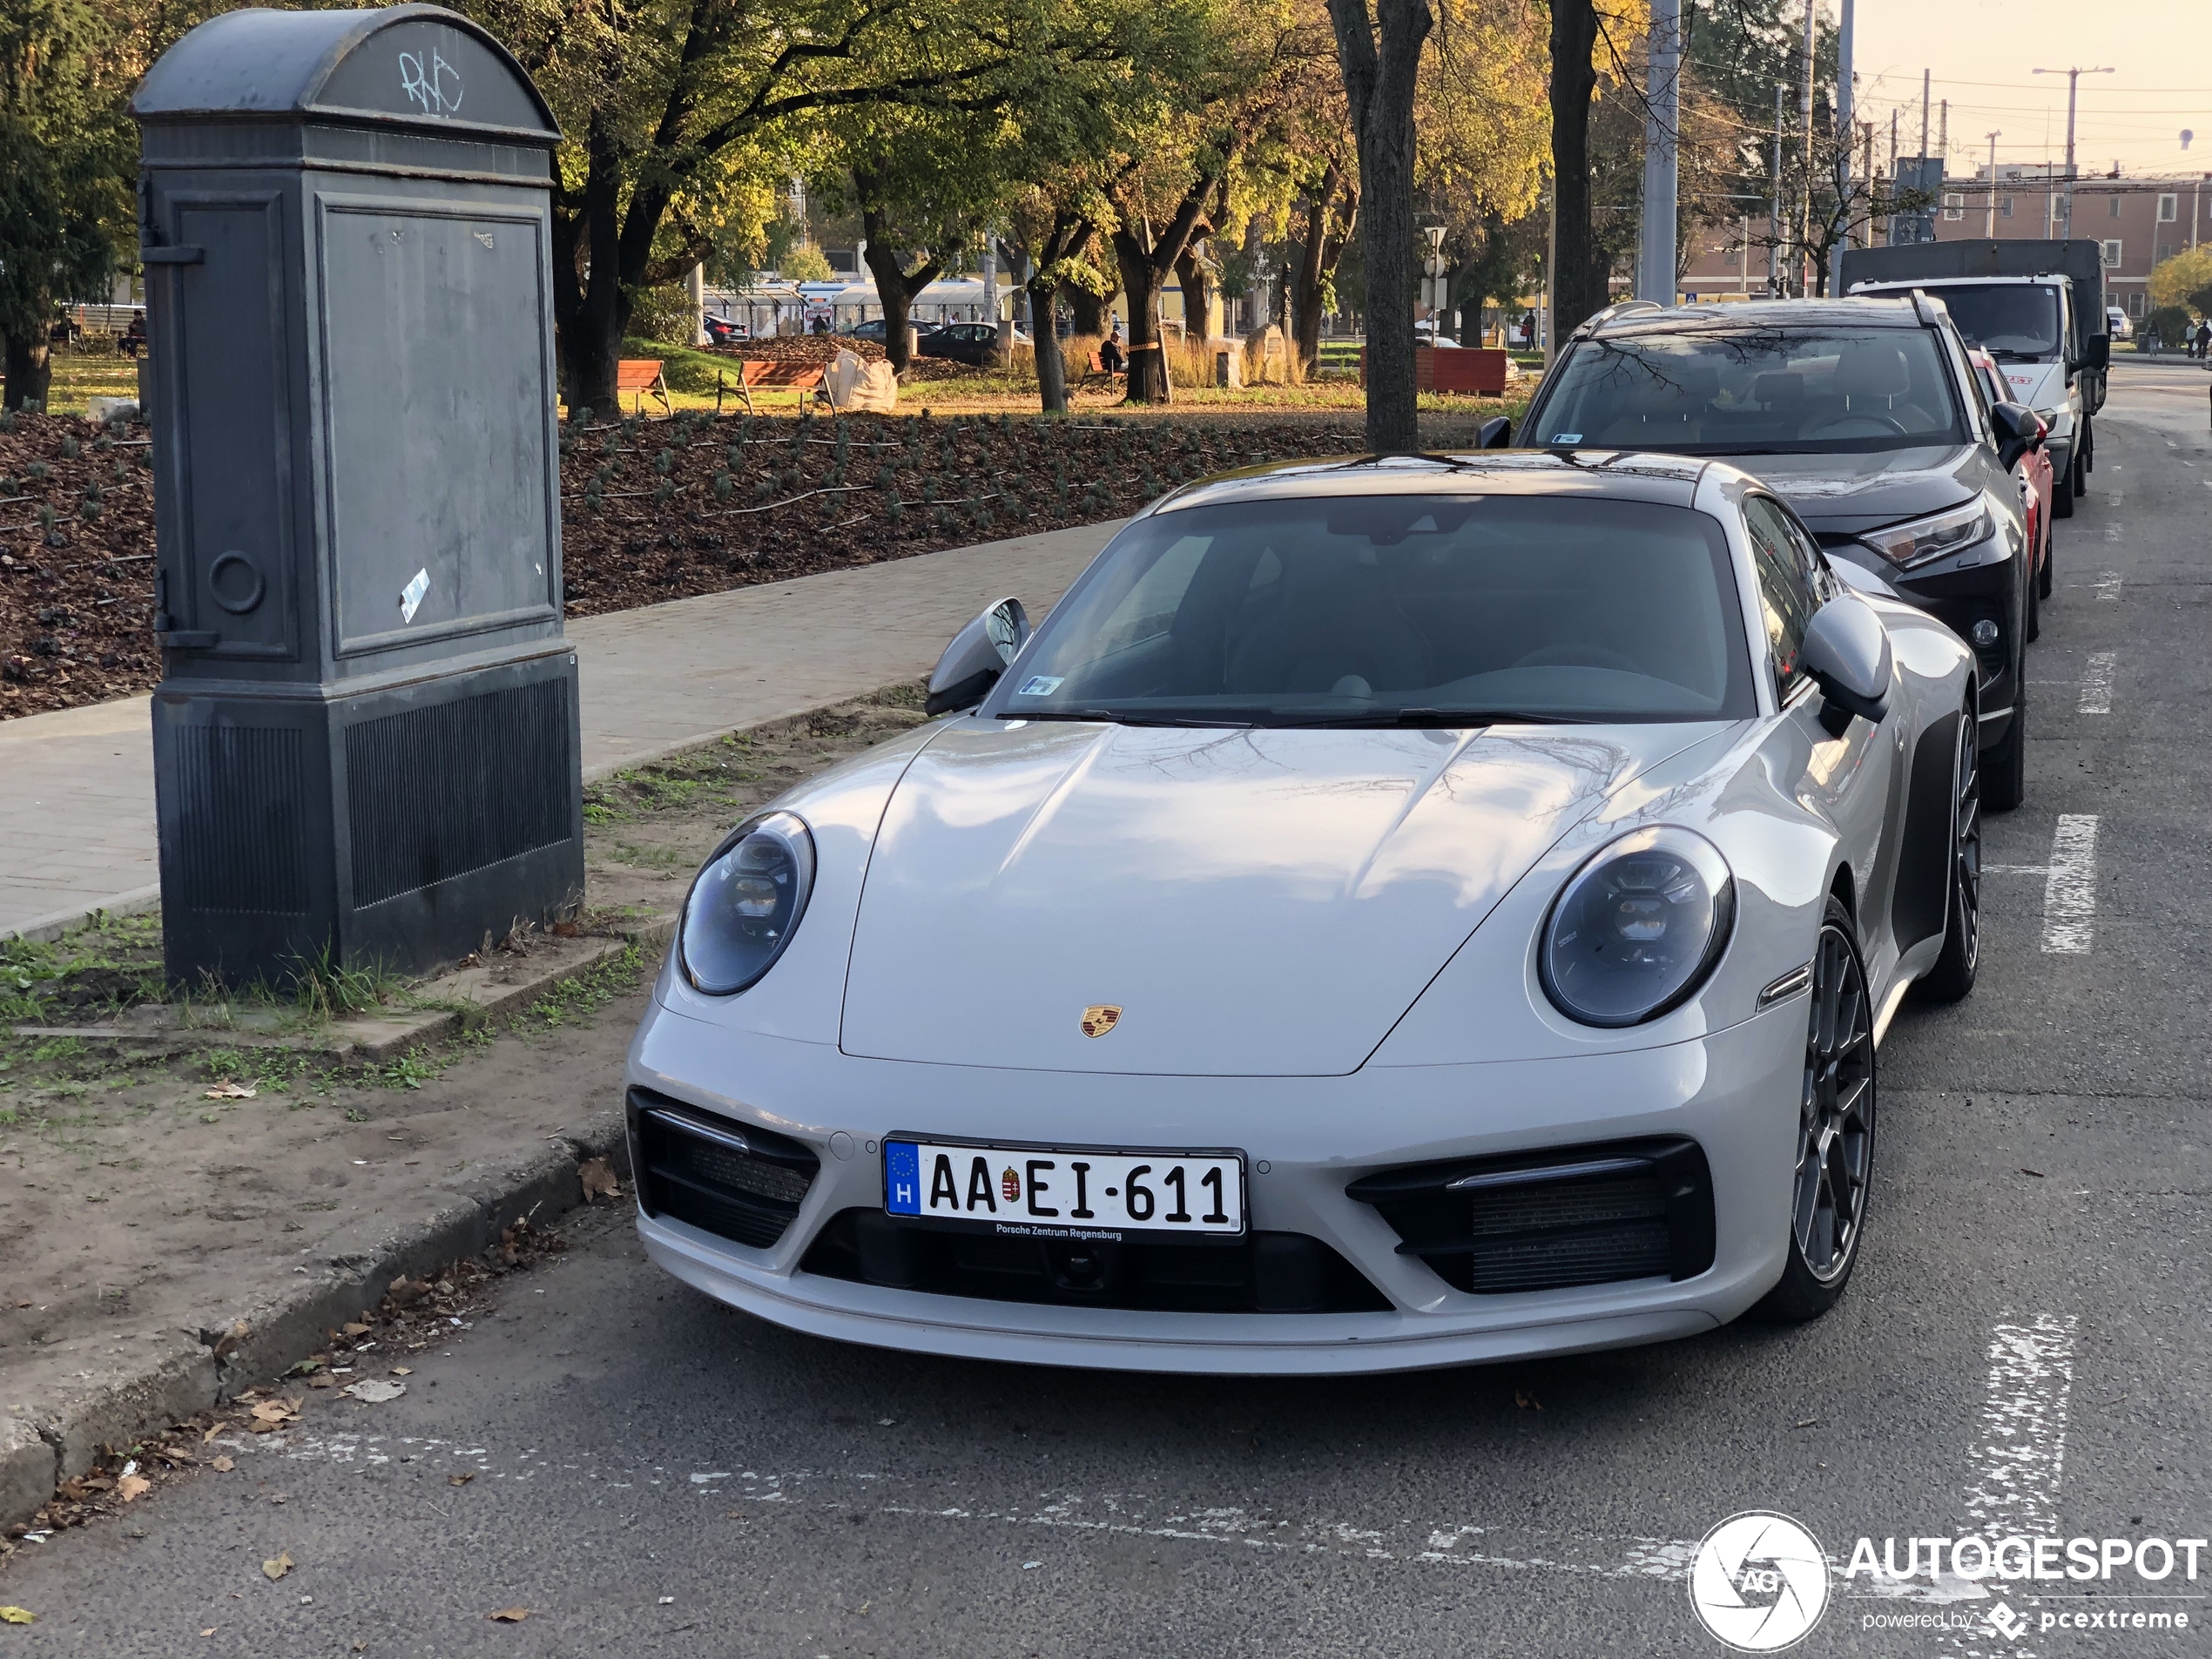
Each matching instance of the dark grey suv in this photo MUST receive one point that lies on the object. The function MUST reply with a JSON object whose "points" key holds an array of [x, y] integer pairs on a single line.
{"points": [[1867, 417]]}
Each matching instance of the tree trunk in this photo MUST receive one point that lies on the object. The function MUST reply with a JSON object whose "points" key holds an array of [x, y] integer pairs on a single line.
{"points": [[1381, 63], [1088, 310], [28, 368], [1052, 368], [1197, 293], [1141, 281], [1328, 232], [597, 310], [894, 285], [1578, 275]]}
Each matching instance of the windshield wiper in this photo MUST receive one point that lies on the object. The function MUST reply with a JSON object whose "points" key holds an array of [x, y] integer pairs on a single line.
{"points": [[2009, 354], [1443, 718], [1118, 717]]}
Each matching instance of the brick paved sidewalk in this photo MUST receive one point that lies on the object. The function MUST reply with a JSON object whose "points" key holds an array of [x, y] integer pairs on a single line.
{"points": [[76, 829]]}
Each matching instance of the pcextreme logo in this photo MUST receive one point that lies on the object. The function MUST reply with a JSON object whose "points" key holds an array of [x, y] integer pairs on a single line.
{"points": [[1759, 1581]]}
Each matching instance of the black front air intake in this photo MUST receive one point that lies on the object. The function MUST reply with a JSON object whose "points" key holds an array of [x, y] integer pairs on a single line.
{"points": [[1259, 1273], [1543, 1221], [743, 1184]]}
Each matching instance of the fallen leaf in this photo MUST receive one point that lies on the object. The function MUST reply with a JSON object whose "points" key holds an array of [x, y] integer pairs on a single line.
{"points": [[565, 930], [405, 1289], [1526, 1401], [375, 1391], [599, 1180], [355, 1328], [209, 1631], [17, 1615], [322, 1379], [231, 1091], [272, 1412], [461, 1480], [276, 1570], [212, 1430], [403, 1370], [133, 1487], [512, 1615], [223, 1466]]}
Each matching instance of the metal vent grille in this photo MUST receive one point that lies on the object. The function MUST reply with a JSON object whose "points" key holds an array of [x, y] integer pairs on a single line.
{"points": [[438, 792], [1589, 1215], [730, 1179], [238, 848]]}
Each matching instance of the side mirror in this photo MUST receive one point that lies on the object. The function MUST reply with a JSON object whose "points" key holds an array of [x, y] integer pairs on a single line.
{"points": [[1496, 433], [2019, 429], [1846, 650], [2096, 352], [978, 655]]}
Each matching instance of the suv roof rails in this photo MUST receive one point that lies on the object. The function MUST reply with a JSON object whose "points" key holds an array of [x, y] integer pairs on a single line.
{"points": [[1620, 307], [1926, 310]]}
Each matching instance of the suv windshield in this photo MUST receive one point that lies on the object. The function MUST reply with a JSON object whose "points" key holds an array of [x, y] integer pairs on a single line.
{"points": [[2013, 321], [1756, 391], [1396, 611]]}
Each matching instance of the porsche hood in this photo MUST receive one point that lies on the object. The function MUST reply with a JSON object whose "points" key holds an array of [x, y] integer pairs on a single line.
{"points": [[1255, 902]]}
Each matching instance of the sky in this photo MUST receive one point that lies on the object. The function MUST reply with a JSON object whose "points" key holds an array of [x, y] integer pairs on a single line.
{"points": [[1982, 53]]}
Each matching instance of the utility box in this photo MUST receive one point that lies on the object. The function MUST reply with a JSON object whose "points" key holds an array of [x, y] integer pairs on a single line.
{"points": [[366, 742]]}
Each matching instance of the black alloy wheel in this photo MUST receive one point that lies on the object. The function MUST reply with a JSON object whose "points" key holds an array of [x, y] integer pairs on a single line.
{"points": [[1953, 976], [1832, 1178]]}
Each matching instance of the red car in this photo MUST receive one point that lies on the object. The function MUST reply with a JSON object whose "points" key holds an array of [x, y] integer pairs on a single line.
{"points": [[2032, 474]]}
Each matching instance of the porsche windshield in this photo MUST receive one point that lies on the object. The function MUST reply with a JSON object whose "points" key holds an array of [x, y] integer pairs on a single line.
{"points": [[1397, 610], [1755, 392]]}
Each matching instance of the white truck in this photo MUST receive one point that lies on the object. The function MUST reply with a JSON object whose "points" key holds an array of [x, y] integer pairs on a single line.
{"points": [[2037, 308]]}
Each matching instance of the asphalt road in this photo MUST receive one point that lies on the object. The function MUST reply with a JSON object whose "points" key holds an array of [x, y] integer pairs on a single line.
{"points": [[2024, 1348]]}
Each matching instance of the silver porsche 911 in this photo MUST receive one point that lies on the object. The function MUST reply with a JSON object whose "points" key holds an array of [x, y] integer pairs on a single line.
{"points": [[1393, 912]]}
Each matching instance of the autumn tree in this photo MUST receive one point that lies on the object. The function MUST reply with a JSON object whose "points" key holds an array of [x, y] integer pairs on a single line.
{"points": [[657, 102], [67, 157]]}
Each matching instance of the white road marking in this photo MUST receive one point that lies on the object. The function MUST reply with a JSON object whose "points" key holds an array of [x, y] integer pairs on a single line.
{"points": [[2018, 1451], [2070, 890], [2107, 584], [2016, 869], [2111, 532], [2096, 683]]}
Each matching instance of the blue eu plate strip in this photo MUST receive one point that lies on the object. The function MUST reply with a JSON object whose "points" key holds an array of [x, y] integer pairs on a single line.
{"points": [[902, 1177]]}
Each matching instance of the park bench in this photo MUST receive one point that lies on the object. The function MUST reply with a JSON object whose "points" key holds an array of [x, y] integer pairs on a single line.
{"points": [[757, 376], [640, 375], [1094, 369]]}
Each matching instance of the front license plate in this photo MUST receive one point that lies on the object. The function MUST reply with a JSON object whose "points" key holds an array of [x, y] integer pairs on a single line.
{"points": [[1059, 1192]]}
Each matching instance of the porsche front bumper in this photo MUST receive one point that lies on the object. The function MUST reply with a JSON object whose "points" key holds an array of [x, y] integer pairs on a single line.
{"points": [[1734, 1094]]}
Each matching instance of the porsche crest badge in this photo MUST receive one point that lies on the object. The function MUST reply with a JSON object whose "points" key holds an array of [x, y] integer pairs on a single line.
{"points": [[1100, 1018]]}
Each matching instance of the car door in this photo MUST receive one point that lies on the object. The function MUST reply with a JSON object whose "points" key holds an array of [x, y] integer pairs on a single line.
{"points": [[1850, 775]]}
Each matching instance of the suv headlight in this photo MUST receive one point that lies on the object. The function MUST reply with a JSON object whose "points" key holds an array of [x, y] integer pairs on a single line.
{"points": [[1923, 539], [745, 904], [1638, 928]]}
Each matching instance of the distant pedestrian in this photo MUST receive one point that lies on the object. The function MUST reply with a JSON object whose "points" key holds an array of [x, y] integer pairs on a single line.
{"points": [[2204, 339]]}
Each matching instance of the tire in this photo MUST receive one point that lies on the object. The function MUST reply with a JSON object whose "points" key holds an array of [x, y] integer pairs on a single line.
{"points": [[1832, 1175], [2062, 491], [2004, 769], [2045, 579], [1953, 976], [2034, 629]]}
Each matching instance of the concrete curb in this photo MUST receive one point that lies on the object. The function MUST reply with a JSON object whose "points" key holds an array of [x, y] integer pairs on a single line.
{"points": [[43, 1442]]}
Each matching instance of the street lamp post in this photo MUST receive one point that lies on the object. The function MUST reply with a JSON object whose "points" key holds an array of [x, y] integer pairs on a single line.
{"points": [[1989, 220], [2073, 81]]}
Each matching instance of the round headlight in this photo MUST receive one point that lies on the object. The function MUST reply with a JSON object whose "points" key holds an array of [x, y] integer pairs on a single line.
{"points": [[745, 904], [1638, 928]]}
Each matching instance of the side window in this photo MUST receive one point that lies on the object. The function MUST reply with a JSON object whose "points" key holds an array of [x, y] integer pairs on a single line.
{"points": [[1793, 581]]}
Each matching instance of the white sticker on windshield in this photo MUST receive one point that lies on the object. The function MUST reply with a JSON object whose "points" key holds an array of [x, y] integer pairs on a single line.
{"points": [[1568, 437], [411, 596], [1041, 685]]}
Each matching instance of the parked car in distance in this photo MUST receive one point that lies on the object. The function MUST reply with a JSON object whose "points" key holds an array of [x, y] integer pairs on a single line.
{"points": [[1001, 1040], [2032, 470], [1865, 416], [967, 342], [879, 330], [722, 331], [2117, 325]]}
